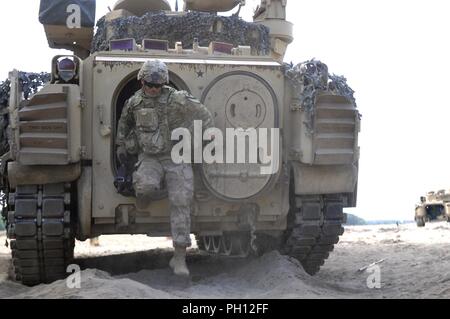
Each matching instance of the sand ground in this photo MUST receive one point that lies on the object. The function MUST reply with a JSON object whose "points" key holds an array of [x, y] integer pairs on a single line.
{"points": [[416, 265]]}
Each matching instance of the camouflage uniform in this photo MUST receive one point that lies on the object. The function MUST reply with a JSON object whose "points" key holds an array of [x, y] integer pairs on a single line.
{"points": [[145, 130]]}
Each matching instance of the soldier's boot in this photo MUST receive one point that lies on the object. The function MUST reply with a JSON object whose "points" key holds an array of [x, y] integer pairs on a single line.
{"points": [[178, 262]]}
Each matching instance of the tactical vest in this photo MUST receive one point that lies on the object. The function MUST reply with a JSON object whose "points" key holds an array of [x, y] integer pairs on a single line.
{"points": [[152, 126]]}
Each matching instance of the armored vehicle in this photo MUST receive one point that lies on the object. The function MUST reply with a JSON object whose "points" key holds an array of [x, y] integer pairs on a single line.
{"points": [[435, 206], [62, 179]]}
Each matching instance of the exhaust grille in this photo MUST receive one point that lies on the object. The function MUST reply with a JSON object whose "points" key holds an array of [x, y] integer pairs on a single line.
{"points": [[336, 131], [43, 137]]}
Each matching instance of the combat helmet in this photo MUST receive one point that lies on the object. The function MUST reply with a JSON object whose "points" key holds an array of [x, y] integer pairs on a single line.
{"points": [[154, 71]]}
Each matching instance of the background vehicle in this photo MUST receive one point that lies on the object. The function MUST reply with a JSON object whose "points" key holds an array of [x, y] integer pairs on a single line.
{"points": [[435, 206]]}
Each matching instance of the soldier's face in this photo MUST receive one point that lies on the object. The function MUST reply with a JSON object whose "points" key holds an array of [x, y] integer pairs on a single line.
{"points": [[151, 90]]}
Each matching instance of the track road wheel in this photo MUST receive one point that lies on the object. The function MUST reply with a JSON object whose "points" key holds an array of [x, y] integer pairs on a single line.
{"points": [[315, 224], [41, 234]]}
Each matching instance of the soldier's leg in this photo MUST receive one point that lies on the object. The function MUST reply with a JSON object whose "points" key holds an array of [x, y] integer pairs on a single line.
{"points": [[180, 186], [147, 180]]}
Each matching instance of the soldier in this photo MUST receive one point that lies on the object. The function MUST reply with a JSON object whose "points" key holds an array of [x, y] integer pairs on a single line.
{"points": [[144, 129]]}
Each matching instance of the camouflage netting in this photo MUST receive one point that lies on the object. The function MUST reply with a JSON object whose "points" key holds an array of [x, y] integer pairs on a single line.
{"points": [[311, 77], [184, 28], [29, 84]]}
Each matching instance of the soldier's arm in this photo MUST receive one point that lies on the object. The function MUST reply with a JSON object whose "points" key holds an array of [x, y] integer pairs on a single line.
{"points": [[186, 109], [200, 112]]}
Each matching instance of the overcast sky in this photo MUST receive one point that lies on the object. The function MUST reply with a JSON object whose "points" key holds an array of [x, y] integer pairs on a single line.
{"points": [[395, 55]]}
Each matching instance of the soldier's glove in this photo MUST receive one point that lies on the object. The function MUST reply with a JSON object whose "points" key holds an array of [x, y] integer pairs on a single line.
{"points": [[123, 180]]}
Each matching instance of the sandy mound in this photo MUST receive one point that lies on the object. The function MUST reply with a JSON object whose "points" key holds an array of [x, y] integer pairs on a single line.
{"points": [[416, 265], [271, 276], [95, 284]]}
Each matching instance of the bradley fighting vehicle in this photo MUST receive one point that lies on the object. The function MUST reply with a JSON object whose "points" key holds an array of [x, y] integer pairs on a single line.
{"points": [[62, 179], [435, 206]]}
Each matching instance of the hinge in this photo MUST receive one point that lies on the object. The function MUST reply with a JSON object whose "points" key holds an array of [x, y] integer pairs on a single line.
{"points": [[83, 152], [83, 103]]}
